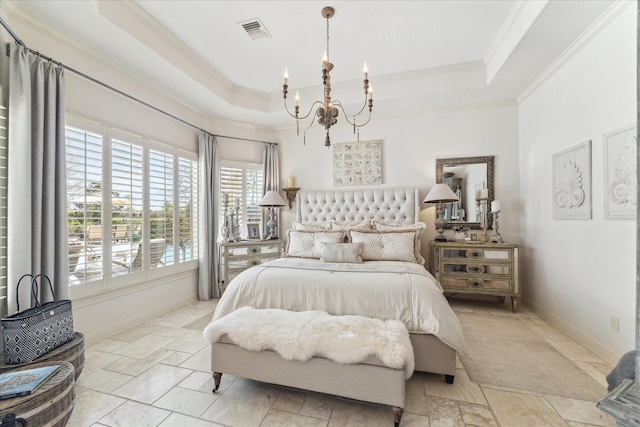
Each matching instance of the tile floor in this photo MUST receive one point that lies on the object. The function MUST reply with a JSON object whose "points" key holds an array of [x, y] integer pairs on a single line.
{"points": [[157, 374]]}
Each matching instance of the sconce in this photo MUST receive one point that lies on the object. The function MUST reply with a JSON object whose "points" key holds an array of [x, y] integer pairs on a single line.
{"points": [[291, 195]]}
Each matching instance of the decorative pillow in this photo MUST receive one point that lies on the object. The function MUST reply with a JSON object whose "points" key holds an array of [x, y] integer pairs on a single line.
{"points": [[309, 244], [363, 226], [301, 226], [382, 226], [419, 227], [389, 245], [342, 252]]}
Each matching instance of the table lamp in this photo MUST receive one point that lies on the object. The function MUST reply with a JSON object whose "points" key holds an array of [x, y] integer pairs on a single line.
{"points": [[440, 193], [272, 199]]}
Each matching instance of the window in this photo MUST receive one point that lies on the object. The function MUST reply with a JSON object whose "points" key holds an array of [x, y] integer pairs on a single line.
{"points": [[132, 205], [242, 183]]}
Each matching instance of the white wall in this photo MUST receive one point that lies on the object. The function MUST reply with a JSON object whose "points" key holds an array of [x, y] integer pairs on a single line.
{"points": [[410, 146], [103, 315], [577, 273]]}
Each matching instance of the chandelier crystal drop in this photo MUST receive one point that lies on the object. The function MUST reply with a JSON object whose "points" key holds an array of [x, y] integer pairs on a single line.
{"points": [[328, 109]]}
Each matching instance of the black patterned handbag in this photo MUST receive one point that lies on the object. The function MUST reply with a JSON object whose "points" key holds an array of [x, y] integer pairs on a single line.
{"points": [[38, 330]]}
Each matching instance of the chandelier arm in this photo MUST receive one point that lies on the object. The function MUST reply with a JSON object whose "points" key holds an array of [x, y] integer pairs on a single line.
{"points": [[301, 117], [311, 122], [365, 123], [352, 117], [339, 103]]}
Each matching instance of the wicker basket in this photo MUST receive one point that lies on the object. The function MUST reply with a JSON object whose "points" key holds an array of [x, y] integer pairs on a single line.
{"points": [[72, 352], [52, 402]]}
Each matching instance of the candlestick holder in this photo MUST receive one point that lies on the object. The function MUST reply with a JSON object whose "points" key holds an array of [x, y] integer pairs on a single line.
{"points": [[484, 238], [225, 224], [495, 236], [236, 226]]}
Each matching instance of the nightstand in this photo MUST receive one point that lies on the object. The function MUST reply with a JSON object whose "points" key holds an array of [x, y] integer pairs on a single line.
{"points": [[486, 268], [238, 256]]}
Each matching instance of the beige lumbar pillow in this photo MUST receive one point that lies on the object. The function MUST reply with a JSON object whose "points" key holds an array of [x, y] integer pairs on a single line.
{"points": [[342, 252]]}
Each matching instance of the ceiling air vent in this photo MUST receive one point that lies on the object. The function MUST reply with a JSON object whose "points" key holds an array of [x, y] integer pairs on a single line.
{"points": [[255, 29]]}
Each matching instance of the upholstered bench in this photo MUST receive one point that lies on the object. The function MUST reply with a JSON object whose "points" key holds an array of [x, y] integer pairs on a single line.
{"points": [[349, 356]]}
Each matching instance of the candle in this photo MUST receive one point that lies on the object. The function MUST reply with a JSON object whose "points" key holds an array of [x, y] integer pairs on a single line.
{"points": [[484, 193], [297, 100], [495, 206], [286, 76], [370, 91], [477, 194], [225, 197], [291, 182], [366, 71], [237, 203], [325, 59]]}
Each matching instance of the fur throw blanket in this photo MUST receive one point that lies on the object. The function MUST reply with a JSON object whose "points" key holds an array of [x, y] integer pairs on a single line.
{"points": [[625, 369], [303, 335]]}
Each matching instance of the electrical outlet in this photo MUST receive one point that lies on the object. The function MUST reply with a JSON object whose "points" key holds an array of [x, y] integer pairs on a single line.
{"points": [[614, 322]]}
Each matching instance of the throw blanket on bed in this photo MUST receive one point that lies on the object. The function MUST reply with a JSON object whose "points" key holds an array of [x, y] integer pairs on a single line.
{"points": [[376, 289], [303, 335]]}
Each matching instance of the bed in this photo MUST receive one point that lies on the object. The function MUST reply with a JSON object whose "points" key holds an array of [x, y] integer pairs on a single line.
{"points": [[379, 288]]}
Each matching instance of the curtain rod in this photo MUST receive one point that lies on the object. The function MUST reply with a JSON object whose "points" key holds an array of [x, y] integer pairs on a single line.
{"points": [[126, 95]]}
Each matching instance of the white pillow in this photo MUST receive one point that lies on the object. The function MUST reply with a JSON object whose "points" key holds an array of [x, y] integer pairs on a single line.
{"points": [[342, 252], [388, 246], [364, 225], [418, 227], [383, 226], [309, 244], [301, 226]]}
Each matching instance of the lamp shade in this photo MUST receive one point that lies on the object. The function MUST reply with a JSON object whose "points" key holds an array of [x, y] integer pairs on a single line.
{"points": [[272, 198], [441, 193]]}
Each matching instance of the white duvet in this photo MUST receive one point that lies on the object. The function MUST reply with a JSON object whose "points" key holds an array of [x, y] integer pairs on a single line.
{"points": [[378, 289]]}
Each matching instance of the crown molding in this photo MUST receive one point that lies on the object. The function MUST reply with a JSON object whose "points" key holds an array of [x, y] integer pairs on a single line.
{"points": [[9, 6], [136, 22], [594, 30], [48, 32], [520, 19]]}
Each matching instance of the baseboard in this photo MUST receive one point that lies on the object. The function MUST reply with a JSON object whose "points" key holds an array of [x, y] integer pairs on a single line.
{"points": [[140, 317], [579, 336]]}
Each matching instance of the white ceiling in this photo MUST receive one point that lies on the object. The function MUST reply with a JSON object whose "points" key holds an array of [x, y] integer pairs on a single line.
{"points": [[420, 54]]}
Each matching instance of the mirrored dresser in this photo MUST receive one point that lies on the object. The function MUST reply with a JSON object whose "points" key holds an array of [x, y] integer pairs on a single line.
{"points": [[485, 268], [238, 256]]}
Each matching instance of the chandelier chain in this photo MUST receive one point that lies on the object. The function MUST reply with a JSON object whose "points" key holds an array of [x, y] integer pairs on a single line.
{"points": [[328, 60]]}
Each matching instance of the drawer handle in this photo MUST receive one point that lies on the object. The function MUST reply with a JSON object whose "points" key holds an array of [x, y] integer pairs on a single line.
{"points": [[474, 254], [475, 283], [255, 262], [253, 250], [475, 268]]}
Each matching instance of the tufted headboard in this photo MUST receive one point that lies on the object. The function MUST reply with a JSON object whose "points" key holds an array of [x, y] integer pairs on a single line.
{"points": [[352, 207]]}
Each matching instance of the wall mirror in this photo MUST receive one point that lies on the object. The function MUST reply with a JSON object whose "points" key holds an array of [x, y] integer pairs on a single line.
{"points": [[467, 177]]}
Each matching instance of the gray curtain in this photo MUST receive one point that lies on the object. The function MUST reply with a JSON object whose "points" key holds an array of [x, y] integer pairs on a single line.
{"points": [[209, 166], [271, 182], [37, 177]]}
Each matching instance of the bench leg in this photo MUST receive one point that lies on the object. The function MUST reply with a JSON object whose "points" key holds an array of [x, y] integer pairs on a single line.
{"points": [[449, 379], [397, 414], [217, 376]]}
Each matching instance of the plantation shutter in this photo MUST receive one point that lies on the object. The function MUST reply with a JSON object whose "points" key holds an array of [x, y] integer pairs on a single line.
{"points": [[85, 152], [242, 182]]}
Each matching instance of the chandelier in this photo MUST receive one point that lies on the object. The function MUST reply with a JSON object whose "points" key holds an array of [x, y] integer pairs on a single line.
{"points": [[327, 111]]}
